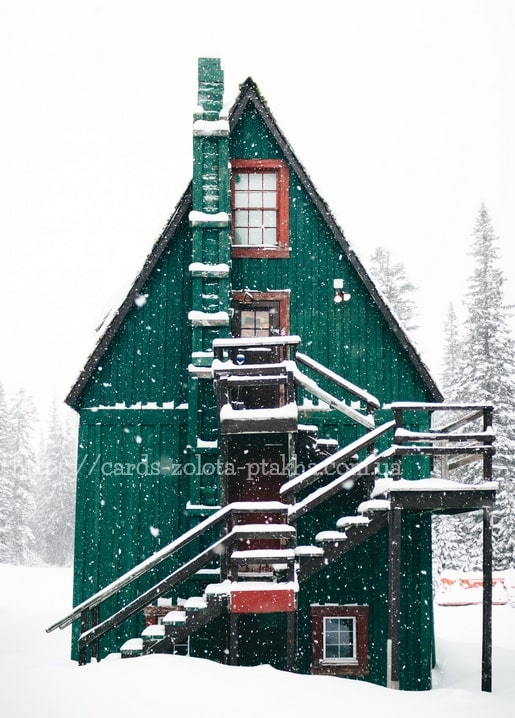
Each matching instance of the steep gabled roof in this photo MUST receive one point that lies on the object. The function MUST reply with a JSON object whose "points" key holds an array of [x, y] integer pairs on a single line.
{"points": [[249, 94], [182, 208]]}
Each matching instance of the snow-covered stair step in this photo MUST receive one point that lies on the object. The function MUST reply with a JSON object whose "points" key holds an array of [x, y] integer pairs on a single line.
{"points": [[175, 618], [164, 602], [265, 530], [330, 537], [153, 633], [374, 505], [346, 521], [195, 603], [266, 555], [309, 551], [332, 443], [132, 648]]}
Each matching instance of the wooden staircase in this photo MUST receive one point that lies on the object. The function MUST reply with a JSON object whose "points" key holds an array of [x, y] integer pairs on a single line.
{"points": [[255, 542]]}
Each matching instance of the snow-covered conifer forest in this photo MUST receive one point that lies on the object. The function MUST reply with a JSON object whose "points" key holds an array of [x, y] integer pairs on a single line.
{"points": [[37, 482]]}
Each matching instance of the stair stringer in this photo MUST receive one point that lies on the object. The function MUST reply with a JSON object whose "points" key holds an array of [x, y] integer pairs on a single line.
{"points": [[336, 547], [216, 606]]}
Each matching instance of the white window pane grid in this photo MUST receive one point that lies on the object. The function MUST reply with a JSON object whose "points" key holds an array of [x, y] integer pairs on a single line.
{"points": [[256, 192], [339, 639]]}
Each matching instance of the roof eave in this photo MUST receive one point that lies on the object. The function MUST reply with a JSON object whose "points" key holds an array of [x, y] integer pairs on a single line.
{"points": [[107, 336]]}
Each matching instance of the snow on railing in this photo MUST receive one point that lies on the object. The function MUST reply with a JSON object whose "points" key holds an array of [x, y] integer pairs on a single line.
{"points": [[166, 552], [370, 400], [326, 492], [292, 487], [311, 386]]}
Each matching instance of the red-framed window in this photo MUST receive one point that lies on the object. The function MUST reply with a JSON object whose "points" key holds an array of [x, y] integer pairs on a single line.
{"points": [[260, 208], [340, 640], [261, 313]]}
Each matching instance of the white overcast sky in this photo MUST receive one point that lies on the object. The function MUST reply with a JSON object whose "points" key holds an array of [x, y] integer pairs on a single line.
{"points": [[402, 112]]}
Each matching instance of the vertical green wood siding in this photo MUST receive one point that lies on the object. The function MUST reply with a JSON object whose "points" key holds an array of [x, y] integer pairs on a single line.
{"points": [[147, 362], [130, 499], [353, 337], [148, 359]]}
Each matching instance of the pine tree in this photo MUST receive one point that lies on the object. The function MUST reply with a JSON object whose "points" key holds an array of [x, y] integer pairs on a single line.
{"points": [[20, 476], [452, 358], [450, 546], [55, 494], [398, 290], [488, 375]]}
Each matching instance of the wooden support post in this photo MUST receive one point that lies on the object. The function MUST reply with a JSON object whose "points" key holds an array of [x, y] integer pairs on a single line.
{"points": [[486, 660], [233, 639], [83, 649], [394, 592], [95, 612], [291, 641], [397, 459]]}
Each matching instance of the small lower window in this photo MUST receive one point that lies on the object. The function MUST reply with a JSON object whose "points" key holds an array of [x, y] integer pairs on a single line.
{"points": [[340, 640]]}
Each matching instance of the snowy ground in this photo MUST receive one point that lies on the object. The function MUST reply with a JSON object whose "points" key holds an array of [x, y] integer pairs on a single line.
{"points": [[38, 680]]}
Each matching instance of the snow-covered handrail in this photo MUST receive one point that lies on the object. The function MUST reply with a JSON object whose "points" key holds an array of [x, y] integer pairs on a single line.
{"points": [[180, 574], [437, 406], [334, 487], [166, 552], [233, 343], [330, 400], [356, 391], [280, 341], [293, 486]]}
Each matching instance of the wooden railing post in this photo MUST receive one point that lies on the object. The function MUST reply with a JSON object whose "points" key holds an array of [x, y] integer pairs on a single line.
{"points": [[83, 647], [394, 596], [95, 614], [486, 658], [397, 462], [488, 456], [291, 641]]}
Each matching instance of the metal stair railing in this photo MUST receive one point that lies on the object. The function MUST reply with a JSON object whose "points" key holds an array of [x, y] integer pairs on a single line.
{"points": [[444, 441], [292, 487], [88, 610], [178, 576], [371, 403], [334, 487]]}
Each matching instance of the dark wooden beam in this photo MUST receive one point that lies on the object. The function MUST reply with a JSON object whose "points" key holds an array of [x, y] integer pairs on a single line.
{"points": [[441, 500], [83, 647], [291, 641], [394, 595], [233, 639], [272, 425], [442, 450], [486, 659], [428, 406]]}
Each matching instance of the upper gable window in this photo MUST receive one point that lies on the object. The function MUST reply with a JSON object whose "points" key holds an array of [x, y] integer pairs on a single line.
{"points": [[260, 207]]}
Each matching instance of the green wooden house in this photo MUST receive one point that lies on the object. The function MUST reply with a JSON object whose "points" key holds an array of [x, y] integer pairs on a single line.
{"points": [[245, 468]]}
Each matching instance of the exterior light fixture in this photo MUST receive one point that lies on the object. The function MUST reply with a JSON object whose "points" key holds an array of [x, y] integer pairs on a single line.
{"points": [[339, 295]]}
